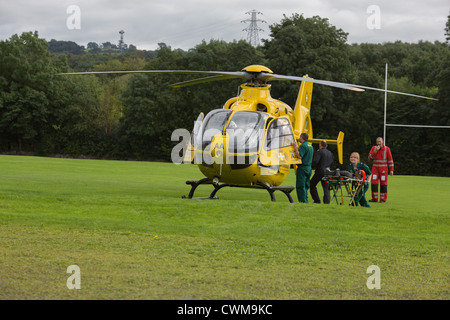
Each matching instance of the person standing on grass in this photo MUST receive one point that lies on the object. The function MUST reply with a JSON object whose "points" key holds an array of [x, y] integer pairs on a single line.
{"points": [[356, 167], [383, 164], [304, 171], [322, 161]]}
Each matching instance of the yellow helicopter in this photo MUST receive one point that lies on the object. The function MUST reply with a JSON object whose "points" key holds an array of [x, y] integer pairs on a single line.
{"points": [[250, 141]]}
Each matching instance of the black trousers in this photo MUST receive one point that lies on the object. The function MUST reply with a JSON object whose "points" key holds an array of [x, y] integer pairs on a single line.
{"points": [[313, 188]]}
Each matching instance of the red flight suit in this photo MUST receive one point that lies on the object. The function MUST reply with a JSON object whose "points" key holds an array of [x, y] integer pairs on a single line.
{"points": [[382, 165]]}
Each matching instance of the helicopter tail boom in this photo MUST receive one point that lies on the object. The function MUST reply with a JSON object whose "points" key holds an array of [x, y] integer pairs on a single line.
{"points": [[302, 110], [339, 142]]}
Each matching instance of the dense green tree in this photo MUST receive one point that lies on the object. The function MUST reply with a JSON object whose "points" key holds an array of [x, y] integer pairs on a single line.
{"points": [[93, 47], [313, 47], [415, 68], [301, 46], [46, 113], [55, 46], [26, 87], [74, 122]]}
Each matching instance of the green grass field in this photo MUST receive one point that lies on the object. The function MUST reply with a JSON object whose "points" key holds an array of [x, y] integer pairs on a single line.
{"points": [[125, 225]]}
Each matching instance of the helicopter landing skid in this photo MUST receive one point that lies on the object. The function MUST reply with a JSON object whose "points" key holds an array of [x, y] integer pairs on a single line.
{"points": [[195, 183]]}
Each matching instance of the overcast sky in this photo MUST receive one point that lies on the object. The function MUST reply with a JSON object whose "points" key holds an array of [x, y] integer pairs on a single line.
{"points": [[185, 23]]}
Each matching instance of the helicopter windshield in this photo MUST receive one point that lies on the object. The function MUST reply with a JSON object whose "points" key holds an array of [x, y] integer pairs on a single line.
{"points": [[214, 123], [245, 131]]}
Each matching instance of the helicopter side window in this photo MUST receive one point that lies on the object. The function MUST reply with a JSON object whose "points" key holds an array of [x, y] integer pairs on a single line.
{"points": [[279, 135], [214, 123], [245, 130]]}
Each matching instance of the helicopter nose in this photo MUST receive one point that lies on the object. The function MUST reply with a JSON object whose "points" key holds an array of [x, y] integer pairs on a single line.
{"points": [[218, 147]]}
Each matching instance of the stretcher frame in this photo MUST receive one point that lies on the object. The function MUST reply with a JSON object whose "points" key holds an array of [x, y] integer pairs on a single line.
{"points": [[344, 187]]}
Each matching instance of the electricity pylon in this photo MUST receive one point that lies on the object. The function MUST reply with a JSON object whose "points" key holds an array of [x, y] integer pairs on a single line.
{"points": [[253, 29]]}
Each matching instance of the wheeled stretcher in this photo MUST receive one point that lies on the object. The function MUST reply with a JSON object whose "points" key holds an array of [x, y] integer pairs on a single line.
{"points": [[344, 185]]}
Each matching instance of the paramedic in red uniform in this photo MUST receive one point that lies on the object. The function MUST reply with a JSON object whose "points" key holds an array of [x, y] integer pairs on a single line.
{"points": [[382, 166]]}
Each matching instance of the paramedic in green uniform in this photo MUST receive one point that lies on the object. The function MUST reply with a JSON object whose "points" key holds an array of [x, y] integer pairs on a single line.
{"points": [[304, 171], [355, 166]]}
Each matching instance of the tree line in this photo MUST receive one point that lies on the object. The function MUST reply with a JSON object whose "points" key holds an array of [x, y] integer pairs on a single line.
{"points": [[70, 47], [133, 116]]}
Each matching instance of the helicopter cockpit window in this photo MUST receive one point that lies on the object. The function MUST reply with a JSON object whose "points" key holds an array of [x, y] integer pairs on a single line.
{"points": [[245, 130], [279, 135], [214, 123]]}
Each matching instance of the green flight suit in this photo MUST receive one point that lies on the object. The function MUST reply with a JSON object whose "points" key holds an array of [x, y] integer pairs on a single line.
{"points": [[360, 198], [304, 171]]}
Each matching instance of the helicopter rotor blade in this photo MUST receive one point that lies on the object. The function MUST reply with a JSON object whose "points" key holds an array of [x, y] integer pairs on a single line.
{"points": [[231, 74], [215, 75], [249, 76], [395, 92], [201, 80], [348, 86], [340, 85]]}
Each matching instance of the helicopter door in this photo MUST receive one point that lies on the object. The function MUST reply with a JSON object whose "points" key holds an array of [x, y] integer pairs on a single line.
{"points": [[278, 149], [190, 151]]}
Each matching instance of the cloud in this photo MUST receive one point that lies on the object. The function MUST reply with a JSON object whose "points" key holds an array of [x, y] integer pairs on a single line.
{"points": [[184, 24]]}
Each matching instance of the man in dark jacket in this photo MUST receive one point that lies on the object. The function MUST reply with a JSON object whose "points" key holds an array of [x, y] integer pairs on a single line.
{"points": [[322, 161]]}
